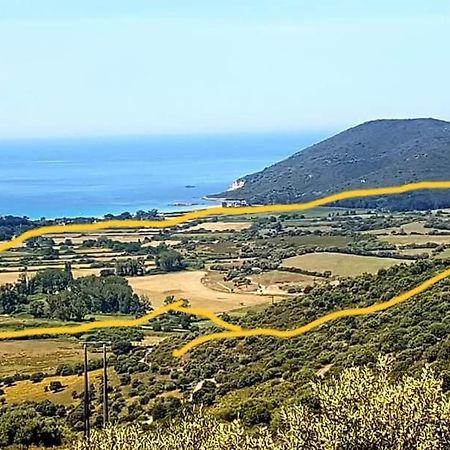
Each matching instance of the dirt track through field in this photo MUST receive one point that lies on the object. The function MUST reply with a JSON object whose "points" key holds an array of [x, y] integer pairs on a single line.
{"points": [[189, 285]]}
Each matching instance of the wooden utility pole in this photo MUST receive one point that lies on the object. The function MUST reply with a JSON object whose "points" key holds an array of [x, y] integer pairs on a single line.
{"points": [[87, 429], [105, 389]]}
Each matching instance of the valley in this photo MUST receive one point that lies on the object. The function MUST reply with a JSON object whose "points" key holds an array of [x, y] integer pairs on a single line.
{"points": [[266, 269]]}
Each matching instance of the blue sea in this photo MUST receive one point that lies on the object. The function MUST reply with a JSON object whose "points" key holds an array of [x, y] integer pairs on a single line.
{"points": [[75, 177]]}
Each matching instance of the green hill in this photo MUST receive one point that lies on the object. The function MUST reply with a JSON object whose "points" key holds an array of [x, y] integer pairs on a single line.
{"points": [[374, 154], [255, 376]]}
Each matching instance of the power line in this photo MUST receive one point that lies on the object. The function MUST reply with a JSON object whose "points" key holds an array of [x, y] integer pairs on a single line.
{"points": [[105, 389], [87, 428], [87, 425]]}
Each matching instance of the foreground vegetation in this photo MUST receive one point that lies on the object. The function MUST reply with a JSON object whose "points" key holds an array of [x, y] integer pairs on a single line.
{"points": [[361, 409], [259, 270]]}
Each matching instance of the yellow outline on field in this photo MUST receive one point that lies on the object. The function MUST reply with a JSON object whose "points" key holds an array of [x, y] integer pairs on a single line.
{"points": [[233, 331]]}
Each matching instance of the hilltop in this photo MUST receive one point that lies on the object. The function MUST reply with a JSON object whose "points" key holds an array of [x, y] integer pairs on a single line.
{"points": [[374, 154]]}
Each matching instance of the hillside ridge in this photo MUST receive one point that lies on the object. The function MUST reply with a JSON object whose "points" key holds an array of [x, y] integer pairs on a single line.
{"points": [[377, 153]]}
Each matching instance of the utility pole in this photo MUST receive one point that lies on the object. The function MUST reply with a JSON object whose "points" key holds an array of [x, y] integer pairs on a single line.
{"points": [[105, 389], [87, 430]]}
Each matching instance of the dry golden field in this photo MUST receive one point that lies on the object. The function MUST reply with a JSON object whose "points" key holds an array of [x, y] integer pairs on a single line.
{"points": [[189, 285], [221, 226], [23, 391]]}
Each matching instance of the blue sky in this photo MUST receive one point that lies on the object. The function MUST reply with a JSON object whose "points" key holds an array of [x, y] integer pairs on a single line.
{"points": [[92, 67]]}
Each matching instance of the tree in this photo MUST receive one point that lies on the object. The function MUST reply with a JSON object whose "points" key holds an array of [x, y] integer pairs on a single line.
{"points": [[130, 267], [67, 306], [169, 261], [51, 281], [55, 386], [23, 426], [10, 299], [122, 347], [166, 407], [37, 377], [68, 270], [38, 308]]}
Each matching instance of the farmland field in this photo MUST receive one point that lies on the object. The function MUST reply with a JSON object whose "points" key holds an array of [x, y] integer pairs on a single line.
{"points": [[189, 285], [37, 355], [341, 264], [414, 251], [415, 239], [12, 277], [316, 240], [24, 391], [445, 254], [221, 226]]}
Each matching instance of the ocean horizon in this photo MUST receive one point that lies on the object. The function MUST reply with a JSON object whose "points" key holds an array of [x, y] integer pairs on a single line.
{"points": [[91, 177]]}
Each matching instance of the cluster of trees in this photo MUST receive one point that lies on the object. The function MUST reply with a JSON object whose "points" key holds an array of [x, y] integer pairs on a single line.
{"points": [[169, 260], [32, 424], [11, 226], [54, 293], [151, 214], [166, 258], [129, 267]]}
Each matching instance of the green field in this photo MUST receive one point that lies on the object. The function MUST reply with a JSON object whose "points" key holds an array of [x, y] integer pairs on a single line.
{"points": [[37, 355], [341, 264], [415, 239], [310, 240]]}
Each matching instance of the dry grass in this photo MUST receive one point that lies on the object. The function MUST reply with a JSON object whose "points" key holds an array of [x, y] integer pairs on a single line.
{"points": [[414, 251], [24, 391], [93, 251], [189, 285], [168, 242], [221, 226], [9, 277], [37, 355], [125, 235], [408, 228], [12, 277], [415, 239], [275, 281], [341, 264], [444, 255]]}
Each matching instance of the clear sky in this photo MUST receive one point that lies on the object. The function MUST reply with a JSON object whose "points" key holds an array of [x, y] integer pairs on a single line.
{"points": [[105, 67]]}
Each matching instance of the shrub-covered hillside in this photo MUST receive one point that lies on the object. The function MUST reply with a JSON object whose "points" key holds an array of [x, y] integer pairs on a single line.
{"points": [[362, 409], [374, 154], [253, 377]]}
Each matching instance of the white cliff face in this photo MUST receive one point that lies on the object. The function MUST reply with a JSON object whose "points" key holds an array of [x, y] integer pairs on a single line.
{"points": [[236, 185]]}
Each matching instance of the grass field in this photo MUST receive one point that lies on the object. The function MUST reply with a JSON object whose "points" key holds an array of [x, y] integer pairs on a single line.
{"points": [[24, 391], [412, 227], [302, 241], [12, 277], [273, 280], [415, 239], [189, 285], [444, 255], [341, 264], [37, 355], [221, 226], [414, 251]]}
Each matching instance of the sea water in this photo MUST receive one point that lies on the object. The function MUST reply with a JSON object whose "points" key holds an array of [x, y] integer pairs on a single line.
{"points": [[74, 177]]}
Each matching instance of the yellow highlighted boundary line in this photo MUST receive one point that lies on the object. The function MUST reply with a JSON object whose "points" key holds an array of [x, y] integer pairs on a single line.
{"points": [[233, 331], [118, 323]]}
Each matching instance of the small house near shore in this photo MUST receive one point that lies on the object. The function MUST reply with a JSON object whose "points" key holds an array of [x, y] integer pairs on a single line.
{"points": [[234, 203]]}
